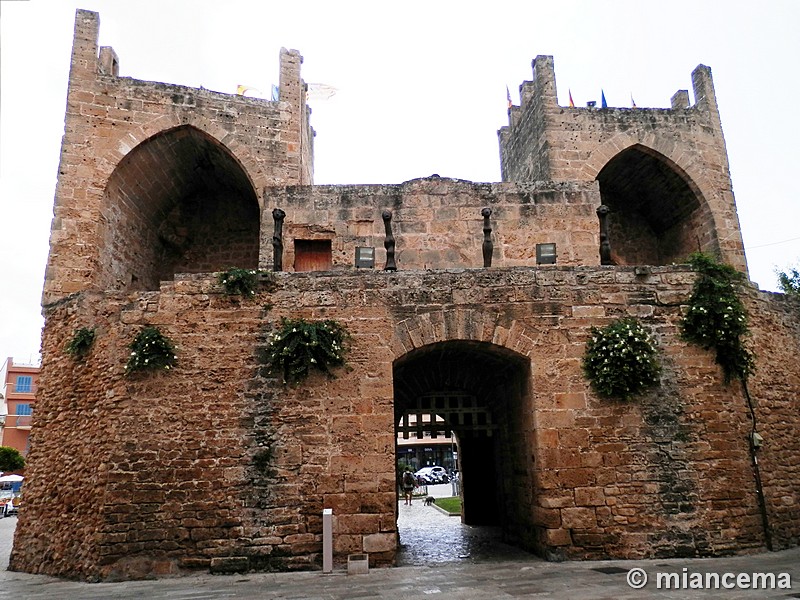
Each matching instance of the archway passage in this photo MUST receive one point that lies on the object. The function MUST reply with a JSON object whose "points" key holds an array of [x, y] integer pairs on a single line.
{"points": [[657, 216], [481, 391], [177, 203]]}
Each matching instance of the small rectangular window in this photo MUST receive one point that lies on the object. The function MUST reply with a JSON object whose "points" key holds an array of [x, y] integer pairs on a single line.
{"points": [[24, 384], [365, 257], [312, 255], [545, 254]]}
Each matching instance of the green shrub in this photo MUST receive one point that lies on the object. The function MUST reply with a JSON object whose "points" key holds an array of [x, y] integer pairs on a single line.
{"points": [[150, 351], [301, 345], [716, 317], [789, 281], [239, 281], [81, 342], [620, 359]]}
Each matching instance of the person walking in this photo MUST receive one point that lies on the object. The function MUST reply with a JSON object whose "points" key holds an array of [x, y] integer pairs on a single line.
{"points": [[409, 483]]}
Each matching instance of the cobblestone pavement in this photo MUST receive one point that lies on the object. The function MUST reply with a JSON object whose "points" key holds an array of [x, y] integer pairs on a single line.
{"points": [[460, 580], [429, 536]]}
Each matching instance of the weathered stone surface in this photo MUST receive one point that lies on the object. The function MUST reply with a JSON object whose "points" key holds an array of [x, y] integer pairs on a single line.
{"points": [[217, 461]]}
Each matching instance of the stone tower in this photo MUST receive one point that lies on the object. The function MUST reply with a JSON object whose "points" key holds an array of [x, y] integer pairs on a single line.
{"points": [[663, 173], [168, 178]]}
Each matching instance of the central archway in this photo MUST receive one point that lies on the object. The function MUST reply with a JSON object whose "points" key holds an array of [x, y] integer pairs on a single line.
{"points": [[480, 393]]}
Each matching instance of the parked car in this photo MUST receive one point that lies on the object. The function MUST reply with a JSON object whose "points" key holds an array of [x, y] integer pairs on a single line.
{"points": [[432, 475]]}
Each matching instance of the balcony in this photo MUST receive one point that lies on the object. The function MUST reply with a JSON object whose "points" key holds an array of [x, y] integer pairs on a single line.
{"points": [[19, 420]]}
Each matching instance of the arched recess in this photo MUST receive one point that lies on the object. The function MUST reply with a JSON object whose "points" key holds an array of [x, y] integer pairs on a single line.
{"points": [[658, 215], [179, 202], [482, 391]]}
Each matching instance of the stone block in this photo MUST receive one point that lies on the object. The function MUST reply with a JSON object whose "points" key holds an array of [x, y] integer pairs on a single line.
{"points": [[578, 518], [380, 542], [225, 565]]}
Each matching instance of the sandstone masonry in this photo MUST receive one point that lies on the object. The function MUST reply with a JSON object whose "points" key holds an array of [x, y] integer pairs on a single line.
{"points": [[219, 465]]}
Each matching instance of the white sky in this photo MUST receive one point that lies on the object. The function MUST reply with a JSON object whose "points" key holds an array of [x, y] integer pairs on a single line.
{"points": [[422, 90]]}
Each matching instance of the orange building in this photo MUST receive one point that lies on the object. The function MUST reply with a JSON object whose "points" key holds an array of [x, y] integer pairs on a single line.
{"points": [[18, 400]]}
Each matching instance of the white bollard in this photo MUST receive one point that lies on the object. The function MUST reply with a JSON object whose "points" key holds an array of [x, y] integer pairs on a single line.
{"points": [[327, 540]]}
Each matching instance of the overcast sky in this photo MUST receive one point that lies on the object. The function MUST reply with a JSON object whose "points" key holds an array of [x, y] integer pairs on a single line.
{"points": [[421, 90]]}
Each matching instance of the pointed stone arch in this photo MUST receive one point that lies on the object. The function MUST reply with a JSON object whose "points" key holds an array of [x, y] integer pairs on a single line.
{"points": [[131, 139], [178, 202], [659, 211]]}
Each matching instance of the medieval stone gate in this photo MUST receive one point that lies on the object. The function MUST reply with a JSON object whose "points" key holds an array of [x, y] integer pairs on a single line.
{"points": [[217, 464]]}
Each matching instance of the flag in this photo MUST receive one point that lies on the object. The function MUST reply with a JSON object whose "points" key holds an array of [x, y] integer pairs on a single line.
{"points": [[276, 93], [241, 90], [633, 102], [508, 97], [571, 103], [603, 103]]}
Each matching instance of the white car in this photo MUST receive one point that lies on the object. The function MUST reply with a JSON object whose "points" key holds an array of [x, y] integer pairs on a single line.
{"points": [[432, 475]]}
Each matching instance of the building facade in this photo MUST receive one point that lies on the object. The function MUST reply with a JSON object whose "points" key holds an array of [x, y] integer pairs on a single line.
{"points": [[476, 307], [20, 382]]}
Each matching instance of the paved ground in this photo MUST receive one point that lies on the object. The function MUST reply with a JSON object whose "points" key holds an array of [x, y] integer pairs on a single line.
{"points": [[459, 579]]}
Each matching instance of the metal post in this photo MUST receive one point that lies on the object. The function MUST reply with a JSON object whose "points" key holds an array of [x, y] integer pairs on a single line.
{"points": [[389, 241], [488, 247], [327, 540], [605, 244], [277, 240]]}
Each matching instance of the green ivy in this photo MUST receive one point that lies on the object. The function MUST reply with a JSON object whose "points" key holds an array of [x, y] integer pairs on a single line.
{"points": [[716, 317], [620, 359], [239, 282], [151, 350], [300, 345], [80, 343]]}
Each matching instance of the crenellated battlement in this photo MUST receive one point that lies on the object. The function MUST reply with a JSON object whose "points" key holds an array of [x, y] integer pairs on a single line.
{"points": [[649, 162]]}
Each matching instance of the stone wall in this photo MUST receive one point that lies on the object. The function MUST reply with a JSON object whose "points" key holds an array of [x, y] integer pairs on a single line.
{"points": [[437, 222], [217, 460]]}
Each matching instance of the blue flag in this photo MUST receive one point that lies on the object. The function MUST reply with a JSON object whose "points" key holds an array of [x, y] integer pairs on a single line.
{"points": [[603, 103]]}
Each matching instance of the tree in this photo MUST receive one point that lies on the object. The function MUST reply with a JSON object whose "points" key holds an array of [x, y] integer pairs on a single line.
{"points": [[789, 282], [10, 459]]}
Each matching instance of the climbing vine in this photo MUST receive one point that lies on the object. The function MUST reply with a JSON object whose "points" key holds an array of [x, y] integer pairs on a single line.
{"points": [[81, 343], [300, 345], [151, 350], [621, 359], [716, 317]]}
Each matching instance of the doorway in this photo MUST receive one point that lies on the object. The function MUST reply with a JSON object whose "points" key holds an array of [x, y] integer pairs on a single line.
{"points": [[475, 396]]}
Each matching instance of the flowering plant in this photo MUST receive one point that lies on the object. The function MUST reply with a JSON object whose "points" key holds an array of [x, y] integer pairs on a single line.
{"points": [[80, 343], [620, 359], [301, 345], [239, 281], [716, 317], [151, 350]]}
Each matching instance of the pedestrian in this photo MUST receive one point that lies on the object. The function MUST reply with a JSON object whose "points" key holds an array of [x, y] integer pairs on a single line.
{"points": [[409, 483]]}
